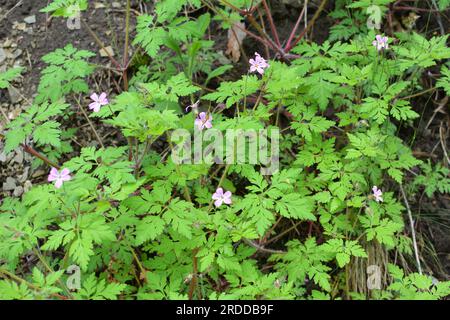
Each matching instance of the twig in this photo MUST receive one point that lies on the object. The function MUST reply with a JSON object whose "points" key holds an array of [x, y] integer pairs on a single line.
{"points": [[193, 283], [294, 30], [438, 18], [282, 233], [33, 152], [413, 232], [102, 46], [262, 249], [125, 50], [18, 4], [266, 47], [418, 94], [272, 25], [413, 9], [310, 24], [5, 273], [90, 123], [441, 136], [440, 107]]}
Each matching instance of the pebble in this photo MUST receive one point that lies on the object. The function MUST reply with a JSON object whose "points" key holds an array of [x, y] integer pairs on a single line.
{"points": [[20, 26], [9, 185], [7, 43], [38, 173], [18, 191], [14, 95], [19, 156], [104, 52], [27, 186], [98, 5], [17, 53], [30, 19], [23, 177], [2, 55]]}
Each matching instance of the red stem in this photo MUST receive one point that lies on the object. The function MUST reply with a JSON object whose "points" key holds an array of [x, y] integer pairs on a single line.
{"points": [[415, 9], [310, 24], [33, 152], [272, 25], [288, 44]]}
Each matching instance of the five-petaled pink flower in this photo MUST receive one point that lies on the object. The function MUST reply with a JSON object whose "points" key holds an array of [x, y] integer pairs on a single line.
{"points": [[59, 177], [380, 42], [98, 101], [258, 64], [221, 197], [203, 120], [377, 194]]}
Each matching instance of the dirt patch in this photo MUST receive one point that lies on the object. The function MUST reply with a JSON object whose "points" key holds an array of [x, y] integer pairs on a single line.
{"points": [[26, 35]]}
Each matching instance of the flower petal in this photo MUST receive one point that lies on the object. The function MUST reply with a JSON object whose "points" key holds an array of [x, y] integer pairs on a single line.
{"points": [[58, 183], [94, 97], [65, 172], [219, 191], [53, 175]]}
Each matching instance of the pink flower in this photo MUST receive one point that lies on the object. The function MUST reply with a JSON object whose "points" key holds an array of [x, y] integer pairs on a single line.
{"points": [[258, 64], [203, 120], [380, 42], [377, 194], [221, 197], [59, 177], [98, 101]]}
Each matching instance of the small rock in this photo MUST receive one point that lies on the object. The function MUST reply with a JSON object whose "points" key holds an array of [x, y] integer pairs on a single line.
{"points": [[15, 113], [104, 52], [30, 19], [7, 43], [98, 5], [20, 26], [27, 186], [14, 94], [2, 157], [116, 5], [2, 55], [9, 185], [19, 156], [38, 173], [18, 191], [24, 176], [17, 54]]}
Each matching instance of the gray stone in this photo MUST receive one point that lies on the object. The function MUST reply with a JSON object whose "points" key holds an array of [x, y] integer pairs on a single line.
{"points": [[2, 55], [19, 156], [30, 19], [27, 185], [17, 54], [18, 191], [14, 94], [104, 52], [9, 185], [24, 176]]}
